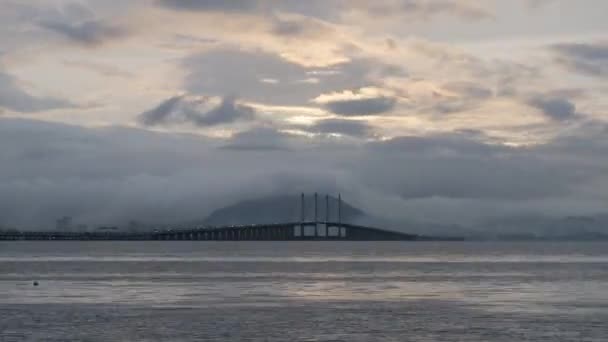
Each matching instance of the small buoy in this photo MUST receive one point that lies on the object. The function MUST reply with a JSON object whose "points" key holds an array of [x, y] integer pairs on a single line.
{"points": [[35, 283]]}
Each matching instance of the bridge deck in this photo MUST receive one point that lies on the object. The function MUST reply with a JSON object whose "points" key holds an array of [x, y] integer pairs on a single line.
{"points": [[289, 231]]}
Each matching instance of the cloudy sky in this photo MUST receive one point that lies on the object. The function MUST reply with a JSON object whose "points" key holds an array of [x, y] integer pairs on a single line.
{"points": [[434, 110]]}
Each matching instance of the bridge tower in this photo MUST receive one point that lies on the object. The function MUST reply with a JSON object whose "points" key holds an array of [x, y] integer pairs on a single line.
{"points": [[302, 215], [316, 217], [326, 215], [339, 208], [340, 216]]}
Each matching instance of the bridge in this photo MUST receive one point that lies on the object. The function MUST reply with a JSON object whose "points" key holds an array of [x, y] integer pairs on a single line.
{"points": [[302, 230], [291, 231]]}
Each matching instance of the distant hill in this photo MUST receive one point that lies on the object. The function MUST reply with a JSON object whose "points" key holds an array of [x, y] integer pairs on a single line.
{"points": [[532, 227], [280, 209], [287, 209]]}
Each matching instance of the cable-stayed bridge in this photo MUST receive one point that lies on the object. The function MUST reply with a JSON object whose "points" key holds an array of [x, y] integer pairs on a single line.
{"points": [[305, 229]]}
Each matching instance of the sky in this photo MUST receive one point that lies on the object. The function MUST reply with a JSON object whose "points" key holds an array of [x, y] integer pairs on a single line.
{"points": [[448, 111]]}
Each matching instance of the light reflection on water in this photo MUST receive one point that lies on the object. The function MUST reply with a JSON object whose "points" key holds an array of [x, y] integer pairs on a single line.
{"points": [[565, 280]]}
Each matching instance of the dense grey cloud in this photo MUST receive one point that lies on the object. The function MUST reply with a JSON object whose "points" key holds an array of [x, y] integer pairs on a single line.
{"points": [[179, 109], [359, 129], [458, 168], [232, 71], [330, 9], [210, 5], [361, 107], [13, 97], [111, 175], [422, 9], [585, 58], [89, 32], [555, 108], [161, 113], [467, 143], [228, 111]]}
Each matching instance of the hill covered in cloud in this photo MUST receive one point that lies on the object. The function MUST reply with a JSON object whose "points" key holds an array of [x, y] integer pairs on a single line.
{"points": [[281, 209], [523, 227]]}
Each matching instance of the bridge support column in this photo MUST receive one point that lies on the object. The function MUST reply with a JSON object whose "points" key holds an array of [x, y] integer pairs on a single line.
{"points": [[302, 216], [264, 233], [316, 218]]}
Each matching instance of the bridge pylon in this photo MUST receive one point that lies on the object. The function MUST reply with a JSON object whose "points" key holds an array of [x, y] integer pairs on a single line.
{"points": [[316, 217]]}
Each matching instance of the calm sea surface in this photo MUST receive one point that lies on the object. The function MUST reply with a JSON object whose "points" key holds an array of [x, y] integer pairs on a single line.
{"points": [[303, 291]]}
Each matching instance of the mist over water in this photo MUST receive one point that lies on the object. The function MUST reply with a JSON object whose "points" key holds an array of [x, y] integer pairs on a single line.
{"points": [[312, 291]]}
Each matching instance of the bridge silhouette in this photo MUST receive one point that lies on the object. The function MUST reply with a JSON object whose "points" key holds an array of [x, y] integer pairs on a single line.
{"points": [[302, 230]]}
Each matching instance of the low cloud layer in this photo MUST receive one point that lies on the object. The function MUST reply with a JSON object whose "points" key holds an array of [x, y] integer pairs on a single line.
{"points": [[112, 175]]}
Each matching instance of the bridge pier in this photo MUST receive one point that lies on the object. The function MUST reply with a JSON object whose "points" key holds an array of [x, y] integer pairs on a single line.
{"points": [[265, 233]]}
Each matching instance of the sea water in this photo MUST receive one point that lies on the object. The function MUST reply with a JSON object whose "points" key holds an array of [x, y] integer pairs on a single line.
{"points": [[303, 291]]}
